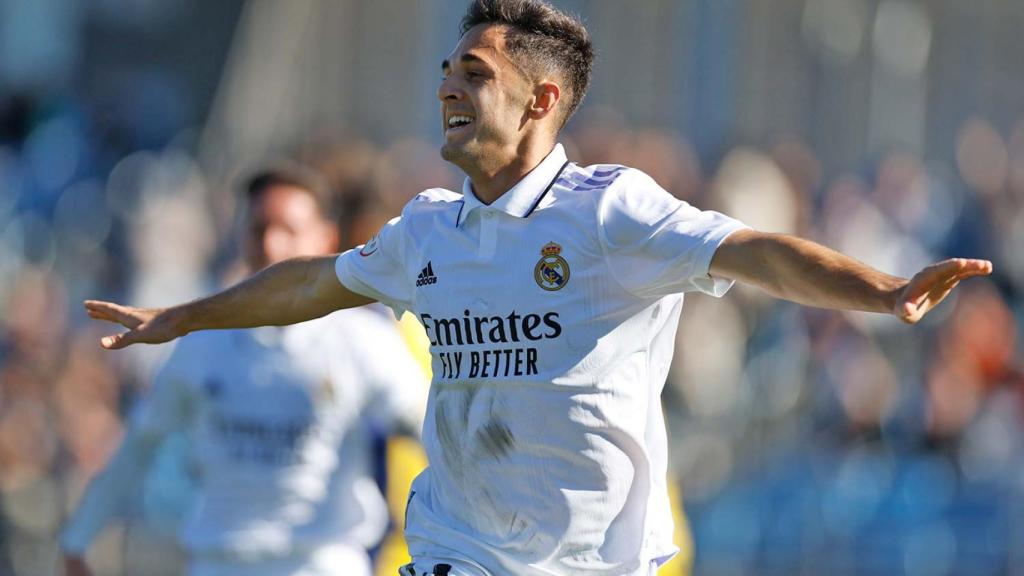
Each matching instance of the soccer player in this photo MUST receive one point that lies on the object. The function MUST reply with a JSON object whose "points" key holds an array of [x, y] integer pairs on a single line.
{"points": [[550, 293], [281, 421]]}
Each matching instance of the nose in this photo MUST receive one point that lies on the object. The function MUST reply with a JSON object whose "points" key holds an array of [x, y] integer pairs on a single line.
{"points": [[448, 90]]}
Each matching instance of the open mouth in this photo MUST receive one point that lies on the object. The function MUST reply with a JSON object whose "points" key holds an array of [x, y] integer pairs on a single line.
{"points": [[456, 121]]}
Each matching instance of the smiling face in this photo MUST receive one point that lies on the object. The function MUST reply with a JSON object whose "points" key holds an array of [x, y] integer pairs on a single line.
{"points": [[485, 101]]}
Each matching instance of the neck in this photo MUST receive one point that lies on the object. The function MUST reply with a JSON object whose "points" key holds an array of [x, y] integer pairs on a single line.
{"points": [[491, 181]]}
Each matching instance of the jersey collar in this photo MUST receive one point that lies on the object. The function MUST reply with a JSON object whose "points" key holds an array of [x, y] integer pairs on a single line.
{"points": [[521, 199]]}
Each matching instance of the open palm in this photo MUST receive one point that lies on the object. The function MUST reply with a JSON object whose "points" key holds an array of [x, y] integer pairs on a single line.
{"points": [[931, 285], [145, 325]]}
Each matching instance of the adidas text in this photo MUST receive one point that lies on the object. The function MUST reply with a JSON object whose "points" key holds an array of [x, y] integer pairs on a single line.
{"points": [[426, 276]]}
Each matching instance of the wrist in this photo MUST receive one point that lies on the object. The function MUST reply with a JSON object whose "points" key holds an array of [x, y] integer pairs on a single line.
{"points": [[892, 294], [180, 320]]}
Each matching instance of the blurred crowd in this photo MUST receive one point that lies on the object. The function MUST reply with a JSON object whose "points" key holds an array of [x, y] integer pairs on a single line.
{"points": [[804, 441], [822, 442]]}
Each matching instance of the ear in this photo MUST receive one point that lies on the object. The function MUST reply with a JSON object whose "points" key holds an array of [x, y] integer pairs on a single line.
{"points": [[545, 97]]}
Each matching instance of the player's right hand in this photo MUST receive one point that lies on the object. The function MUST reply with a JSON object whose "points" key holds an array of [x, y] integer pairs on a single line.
{"points": [[75, 566], [145, 325]]}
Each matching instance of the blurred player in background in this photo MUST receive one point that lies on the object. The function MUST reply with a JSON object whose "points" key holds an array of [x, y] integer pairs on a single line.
{"points": [[550, 293], [349, 168], [280, 420]]}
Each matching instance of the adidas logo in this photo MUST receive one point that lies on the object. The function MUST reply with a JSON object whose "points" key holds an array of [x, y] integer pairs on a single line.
{"points": [[426, 276]]}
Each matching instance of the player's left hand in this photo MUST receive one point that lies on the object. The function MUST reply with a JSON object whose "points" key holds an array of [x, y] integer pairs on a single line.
{"points": [[930, 286]]}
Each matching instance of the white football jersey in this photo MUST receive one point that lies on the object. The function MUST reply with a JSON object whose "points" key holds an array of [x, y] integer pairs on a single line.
{"points": [[280, 422], [551, 315]]}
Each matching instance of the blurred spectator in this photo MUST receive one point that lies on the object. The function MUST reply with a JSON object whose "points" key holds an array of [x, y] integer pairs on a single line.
{"points": [[805, 441]]}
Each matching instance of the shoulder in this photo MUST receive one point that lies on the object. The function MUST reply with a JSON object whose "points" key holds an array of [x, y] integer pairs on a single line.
{"points": [[598, 181], [436, 196], [432, 201], [429, 208], [592, 176], [601, 177], [607, 186], [626, 201]]}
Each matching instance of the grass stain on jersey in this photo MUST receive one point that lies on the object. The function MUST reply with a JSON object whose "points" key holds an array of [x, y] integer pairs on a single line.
{"points": [[495, 438], [450, 420]]}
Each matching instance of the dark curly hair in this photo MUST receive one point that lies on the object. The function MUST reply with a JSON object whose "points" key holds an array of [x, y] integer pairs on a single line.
{"points": [[541, 39]]}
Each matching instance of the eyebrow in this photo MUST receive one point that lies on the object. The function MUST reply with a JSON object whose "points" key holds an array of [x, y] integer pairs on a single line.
{"points": [[465, 59]]}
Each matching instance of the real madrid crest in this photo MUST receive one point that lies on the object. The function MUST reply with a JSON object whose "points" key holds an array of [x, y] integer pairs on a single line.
{"points": [[552, 271]]}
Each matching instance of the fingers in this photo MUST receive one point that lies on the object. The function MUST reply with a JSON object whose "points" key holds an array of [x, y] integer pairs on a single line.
{"points": [[118, 341], [98, 310], [110, 312], [944, 276], [145, 325], [910, 312], [934, 283], [934, 292], [976, 268], [118, 314], [126, 339], [123, 315], [963, 267]]}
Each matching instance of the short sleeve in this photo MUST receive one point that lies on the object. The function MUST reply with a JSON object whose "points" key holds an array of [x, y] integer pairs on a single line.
{"points": [[656, 244], [377, 269]]}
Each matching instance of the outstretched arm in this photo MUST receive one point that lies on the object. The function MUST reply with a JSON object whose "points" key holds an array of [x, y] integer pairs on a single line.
{"points": [[808, 273], [289, 292]]}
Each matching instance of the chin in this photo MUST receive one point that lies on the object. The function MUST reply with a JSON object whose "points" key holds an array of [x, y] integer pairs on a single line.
{"points": [[455, 153], [447, 152]]}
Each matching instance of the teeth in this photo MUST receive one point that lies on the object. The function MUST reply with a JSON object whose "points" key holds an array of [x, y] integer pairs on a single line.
{"points": [[458, 120]]}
